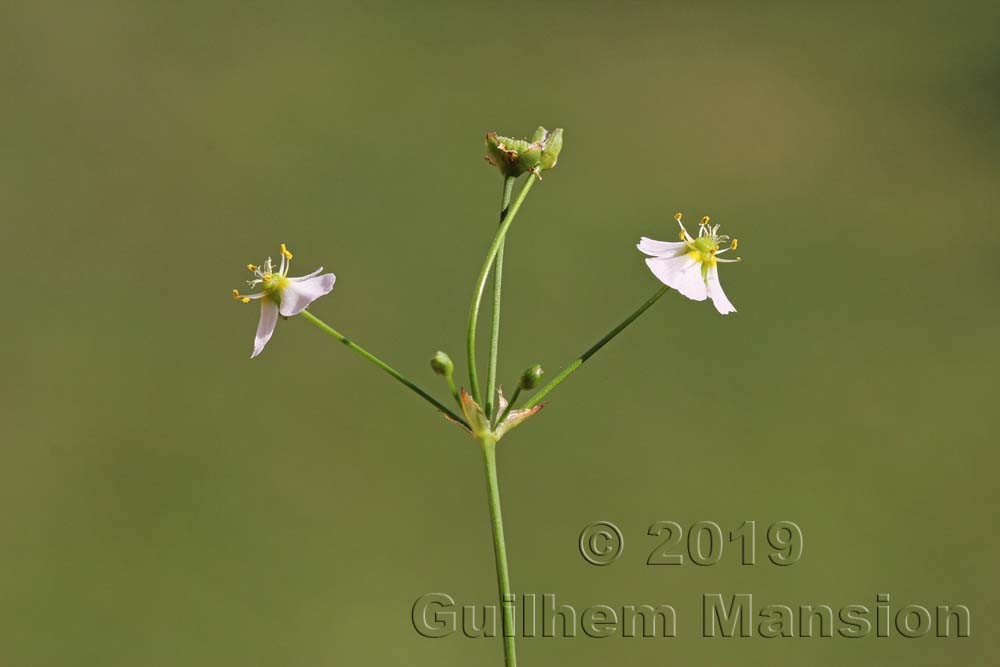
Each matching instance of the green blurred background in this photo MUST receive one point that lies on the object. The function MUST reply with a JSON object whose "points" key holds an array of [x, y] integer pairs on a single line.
{"points": [[166, 501]]}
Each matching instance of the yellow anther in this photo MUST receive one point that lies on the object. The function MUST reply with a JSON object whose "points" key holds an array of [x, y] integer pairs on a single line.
{"points": [[251, 267], [678, 216], [240, 297], [681, 235], [285, 252], [705, 220], [735, 244]]}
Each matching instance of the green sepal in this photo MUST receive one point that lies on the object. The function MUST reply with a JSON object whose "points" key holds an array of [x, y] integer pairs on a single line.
{"points": [[506, 154], [551, 146]]}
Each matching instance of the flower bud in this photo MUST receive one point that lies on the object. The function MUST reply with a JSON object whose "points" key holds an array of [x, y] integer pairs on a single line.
{"points": [[531, 377], [442, 365]]}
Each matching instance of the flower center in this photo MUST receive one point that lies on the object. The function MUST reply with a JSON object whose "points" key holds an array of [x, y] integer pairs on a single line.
{"points": [[273, 283], [706, 245]]}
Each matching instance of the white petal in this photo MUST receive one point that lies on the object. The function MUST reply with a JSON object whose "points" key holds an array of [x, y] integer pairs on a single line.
{"points": [[311, 275], [268, 318], [661, 248], [692, 284], [683, 273], [298, 294], [722, 304]]}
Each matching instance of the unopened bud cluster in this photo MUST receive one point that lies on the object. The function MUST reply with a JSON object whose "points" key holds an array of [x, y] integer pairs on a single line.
{"points": [[514, 157]]}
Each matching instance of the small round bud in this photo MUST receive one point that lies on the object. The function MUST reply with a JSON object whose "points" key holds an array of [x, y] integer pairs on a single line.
{"points": [[442, 365], [531, 377]]}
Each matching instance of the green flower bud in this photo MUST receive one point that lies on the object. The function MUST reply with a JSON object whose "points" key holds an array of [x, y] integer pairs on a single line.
{"points": [[442, 365], [514, 157], [531, 377]]}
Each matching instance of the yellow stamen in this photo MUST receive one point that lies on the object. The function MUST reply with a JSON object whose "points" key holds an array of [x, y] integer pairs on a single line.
{"points": [[705, 220], [245, 299], [681, 235], [285, 252], [236, 294], [678, 216], [251, 267], [735, 244]]}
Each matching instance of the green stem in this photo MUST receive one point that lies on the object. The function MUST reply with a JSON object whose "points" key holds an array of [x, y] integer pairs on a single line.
{"points": [[381, 364], [499, 550], [491, 369], [477, 295], [510, 405], [454, 390], [566, 372]]}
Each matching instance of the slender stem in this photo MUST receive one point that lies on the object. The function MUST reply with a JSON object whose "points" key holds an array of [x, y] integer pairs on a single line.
{"points": [[566, 372], [477, 295], [381, 364], [454, 390], [510, 405], [500, 550], [491, 369]]}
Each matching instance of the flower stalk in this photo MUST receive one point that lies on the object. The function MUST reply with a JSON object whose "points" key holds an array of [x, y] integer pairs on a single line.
{"points": [[409, 384], [477, 294], [593, 349], [491, 368]]}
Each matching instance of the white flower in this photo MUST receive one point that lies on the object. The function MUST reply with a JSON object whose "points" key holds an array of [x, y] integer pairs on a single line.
{"points": [[282, 295], [690, 265]]}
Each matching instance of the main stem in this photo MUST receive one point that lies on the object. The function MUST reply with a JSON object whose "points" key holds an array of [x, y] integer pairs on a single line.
{"points": [[592, 350], [477, 295], [323, 326], [491, 369], [500, 550]]}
